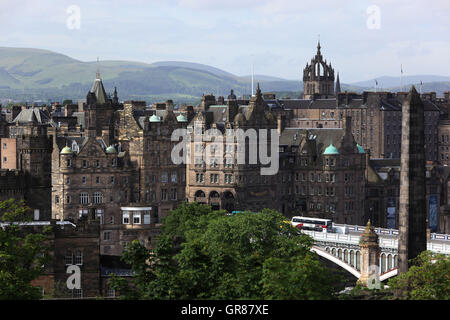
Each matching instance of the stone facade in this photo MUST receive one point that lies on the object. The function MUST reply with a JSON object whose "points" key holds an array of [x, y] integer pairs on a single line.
{"points": [[376, 119], [224, 183]]}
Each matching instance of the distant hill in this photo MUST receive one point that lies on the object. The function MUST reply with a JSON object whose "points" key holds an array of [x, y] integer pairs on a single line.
{"points": [[390, 82], [33, 74], [42, 74], [196, 66]]}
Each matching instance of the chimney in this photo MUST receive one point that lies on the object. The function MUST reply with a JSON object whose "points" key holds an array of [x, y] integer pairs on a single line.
{"points": [[15, 111], [347, 125], [280, 126], [169, 105], [207, 101]]}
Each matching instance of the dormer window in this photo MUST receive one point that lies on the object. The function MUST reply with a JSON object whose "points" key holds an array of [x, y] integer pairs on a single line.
{"points": [[75, 147]]}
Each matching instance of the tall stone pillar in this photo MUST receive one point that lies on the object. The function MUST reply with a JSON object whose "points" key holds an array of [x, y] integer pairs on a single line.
{"points": [[412, 211], [370, 256]]}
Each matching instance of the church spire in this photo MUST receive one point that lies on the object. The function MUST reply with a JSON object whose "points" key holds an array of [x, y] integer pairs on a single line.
{"points": [[338, 85]]}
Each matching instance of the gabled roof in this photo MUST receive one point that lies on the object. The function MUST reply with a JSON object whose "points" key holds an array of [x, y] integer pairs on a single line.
{"points": [[33, 115], [99, 91]]}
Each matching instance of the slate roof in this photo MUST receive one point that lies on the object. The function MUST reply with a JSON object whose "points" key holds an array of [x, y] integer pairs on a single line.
{"points": [[34, 115], [99, 91], [323, 136]]}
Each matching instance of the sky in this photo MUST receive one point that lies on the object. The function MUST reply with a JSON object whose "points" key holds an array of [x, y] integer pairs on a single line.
{"points": [[362, 39]]}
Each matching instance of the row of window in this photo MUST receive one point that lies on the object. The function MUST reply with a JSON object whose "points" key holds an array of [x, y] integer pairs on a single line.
{"points": [[97, 198], [136, 217], [329, 207], [98, 180], [85, 163], [214, 178], [329, 191], [73, 258]]}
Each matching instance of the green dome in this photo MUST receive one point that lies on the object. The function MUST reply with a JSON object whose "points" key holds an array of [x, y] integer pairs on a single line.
{"points": [[155, 118], [331, 150], [360, 149], [66, 150], [181, 118], [111, 149]]}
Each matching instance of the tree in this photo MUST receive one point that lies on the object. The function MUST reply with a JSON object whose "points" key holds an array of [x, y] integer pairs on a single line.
{"points": [[22, 254], [204, 254], [427, 279]]}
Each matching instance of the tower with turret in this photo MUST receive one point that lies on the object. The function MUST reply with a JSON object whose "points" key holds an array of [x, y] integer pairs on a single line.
{"points": [[318, 78]]}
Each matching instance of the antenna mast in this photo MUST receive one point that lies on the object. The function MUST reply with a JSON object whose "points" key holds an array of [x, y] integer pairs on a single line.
{"points": [[252, 77]]}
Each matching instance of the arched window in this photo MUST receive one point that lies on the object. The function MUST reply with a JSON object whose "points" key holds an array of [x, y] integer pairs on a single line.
{"points": [[200, 194], [389, 262], [352, 258], [358, 260], [214, 195], [383, 263]]}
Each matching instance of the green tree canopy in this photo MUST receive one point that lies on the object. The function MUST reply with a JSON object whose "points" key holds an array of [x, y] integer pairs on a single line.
{"points": [[427, 279], [204, 254], [22, 254]]}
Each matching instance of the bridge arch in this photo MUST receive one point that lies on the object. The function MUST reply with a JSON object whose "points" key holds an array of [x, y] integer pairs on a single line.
{"points": [[336, 260]]}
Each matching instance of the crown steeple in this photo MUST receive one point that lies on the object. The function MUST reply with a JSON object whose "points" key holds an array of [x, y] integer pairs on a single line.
{"points": [[318, 77]]}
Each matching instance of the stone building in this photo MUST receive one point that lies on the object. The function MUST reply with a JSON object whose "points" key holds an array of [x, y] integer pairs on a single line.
{"points": [[146, 136], [376, 119], [221, 181], [28, 149], [69, 245], [323, 174]]}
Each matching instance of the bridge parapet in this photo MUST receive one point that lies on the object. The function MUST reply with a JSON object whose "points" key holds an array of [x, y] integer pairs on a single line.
{"points": [[346, 248]]}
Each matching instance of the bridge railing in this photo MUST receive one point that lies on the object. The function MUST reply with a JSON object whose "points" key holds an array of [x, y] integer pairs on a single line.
{"points": [[439, 247], [390, 243], [333, 237], [393, 232]]}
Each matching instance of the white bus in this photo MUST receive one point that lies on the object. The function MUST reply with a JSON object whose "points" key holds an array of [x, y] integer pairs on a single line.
{"points": [[314, 224]]}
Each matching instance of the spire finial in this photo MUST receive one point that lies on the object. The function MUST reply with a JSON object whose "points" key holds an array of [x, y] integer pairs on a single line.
{"points": [[97, 75], [318, 45]]}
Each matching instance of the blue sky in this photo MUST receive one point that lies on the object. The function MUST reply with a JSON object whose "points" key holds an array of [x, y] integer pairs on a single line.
{"points": [[280, 34]]}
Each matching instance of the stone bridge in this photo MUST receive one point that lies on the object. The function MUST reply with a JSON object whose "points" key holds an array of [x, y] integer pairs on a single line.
{"points": [[345, 251]]}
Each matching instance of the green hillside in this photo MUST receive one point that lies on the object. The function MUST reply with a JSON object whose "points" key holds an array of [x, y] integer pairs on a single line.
{"points": [[34, 74]]}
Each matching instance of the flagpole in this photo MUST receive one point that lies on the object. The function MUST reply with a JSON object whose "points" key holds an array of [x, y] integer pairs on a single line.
{"points": [[251, 95], [401, 78]]}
